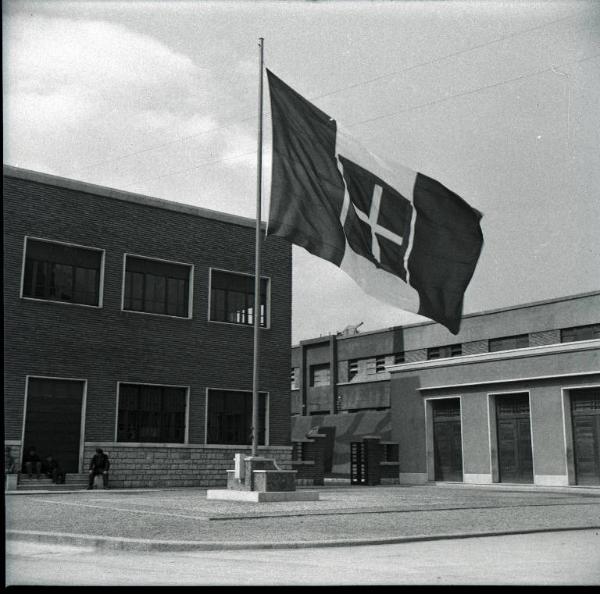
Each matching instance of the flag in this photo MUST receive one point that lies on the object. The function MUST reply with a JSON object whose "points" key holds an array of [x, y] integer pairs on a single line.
{"points": [[402, 236]]}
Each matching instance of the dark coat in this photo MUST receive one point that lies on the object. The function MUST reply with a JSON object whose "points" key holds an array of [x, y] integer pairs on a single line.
{"points": [[100, 463]]}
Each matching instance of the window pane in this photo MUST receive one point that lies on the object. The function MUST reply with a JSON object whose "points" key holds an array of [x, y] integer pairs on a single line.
{"points": [[153, 414], [61, 273], [176, 297], [319, 375], [232, 298], [86, 285], [156, 287], [230, 417]]}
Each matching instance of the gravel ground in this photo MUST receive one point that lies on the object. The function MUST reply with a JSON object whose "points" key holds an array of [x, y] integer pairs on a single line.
{"points": [[342, 513]]}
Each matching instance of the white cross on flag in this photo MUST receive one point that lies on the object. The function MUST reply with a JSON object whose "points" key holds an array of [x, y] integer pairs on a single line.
{"points": [[402, 236]]}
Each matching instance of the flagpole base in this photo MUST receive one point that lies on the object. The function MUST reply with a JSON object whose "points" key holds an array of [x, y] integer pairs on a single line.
{"points": [[261, 496], [255, 478]]}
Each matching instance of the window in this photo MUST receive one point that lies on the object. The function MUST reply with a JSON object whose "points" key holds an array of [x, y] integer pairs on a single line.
{"points": [[379, 364], [229, 417], [352, 369], [62, 272], [151, 414], [580, 333], [294, 378], [319, 375], [399, 357], [452, 350], [232, 298], [156, 286], [508, 342]]}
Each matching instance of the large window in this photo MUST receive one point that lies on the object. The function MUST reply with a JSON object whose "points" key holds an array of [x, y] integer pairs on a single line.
{"points": [[156, 286], [62, 272], [232, 298], [151, 414], [508, 342], [229, 417], [588, 332]]}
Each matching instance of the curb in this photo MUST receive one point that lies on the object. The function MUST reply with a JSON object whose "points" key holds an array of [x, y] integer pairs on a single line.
{"points": [[138, 544]]}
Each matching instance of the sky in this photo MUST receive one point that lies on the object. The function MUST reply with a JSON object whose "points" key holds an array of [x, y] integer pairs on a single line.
{"points": [[499, 101]]}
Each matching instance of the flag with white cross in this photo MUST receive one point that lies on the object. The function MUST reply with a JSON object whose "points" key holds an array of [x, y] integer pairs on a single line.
{"points": [[402, 236]]}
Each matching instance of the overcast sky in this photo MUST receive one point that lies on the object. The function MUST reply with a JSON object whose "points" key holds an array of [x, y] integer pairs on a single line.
{"points": [[499, 101]]}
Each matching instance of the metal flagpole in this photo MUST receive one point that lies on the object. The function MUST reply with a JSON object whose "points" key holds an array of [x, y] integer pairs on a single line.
{"points": [[257, 303]]}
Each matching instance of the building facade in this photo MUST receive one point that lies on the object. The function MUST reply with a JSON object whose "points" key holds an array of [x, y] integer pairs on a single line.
{"points": [[128, 325], [513, 398]]}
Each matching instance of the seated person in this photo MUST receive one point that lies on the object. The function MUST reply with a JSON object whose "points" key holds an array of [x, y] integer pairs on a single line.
{"points": [[99, 464], [9, 462], [32, 461], [54, 471]]}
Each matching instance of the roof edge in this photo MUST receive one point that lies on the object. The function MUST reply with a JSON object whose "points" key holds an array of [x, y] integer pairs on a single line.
{"points": [[116, 194]]}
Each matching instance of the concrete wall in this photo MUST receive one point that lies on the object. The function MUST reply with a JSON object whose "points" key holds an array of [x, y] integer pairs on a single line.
{"points": [[542, 373]]}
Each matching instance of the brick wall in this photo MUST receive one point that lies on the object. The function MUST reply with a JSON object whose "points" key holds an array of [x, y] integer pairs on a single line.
{"points": [[133, 466], [106, 345]]}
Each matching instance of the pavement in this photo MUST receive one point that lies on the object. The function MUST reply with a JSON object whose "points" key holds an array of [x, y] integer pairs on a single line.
{"points": [[185, 520]]}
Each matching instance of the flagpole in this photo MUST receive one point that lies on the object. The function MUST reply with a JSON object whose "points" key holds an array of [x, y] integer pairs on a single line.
{"points": [[257, 304]]}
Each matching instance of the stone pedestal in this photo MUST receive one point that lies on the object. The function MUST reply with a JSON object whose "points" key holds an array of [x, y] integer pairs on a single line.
{"points": [[11, 482], [255, 478]]}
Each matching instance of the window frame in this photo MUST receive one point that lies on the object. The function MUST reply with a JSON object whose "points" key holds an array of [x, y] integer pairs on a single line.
{"points": [[319, 367], [353, 369], [68, 244], [267, 325], [514, 337], [445, 351], [595, 329], [142, 443], [267, 395], [191, 267]]}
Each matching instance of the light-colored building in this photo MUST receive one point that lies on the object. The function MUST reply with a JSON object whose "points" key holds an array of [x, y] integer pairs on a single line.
{"points": [[513, 398]]}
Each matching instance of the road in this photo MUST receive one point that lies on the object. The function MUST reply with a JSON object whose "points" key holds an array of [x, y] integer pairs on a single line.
{"points": [[553, 558]]}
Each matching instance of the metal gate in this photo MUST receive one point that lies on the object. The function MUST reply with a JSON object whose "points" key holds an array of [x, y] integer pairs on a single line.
{"points": [[358, 463]]}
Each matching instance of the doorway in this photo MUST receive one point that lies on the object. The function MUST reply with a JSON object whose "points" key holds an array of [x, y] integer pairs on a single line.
{"points": [[585, 415], [53, 419], [515, 457], [447, 439]]}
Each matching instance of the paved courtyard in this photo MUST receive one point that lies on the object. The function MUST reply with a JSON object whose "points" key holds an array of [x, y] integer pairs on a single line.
{"points": [[184, 519]]}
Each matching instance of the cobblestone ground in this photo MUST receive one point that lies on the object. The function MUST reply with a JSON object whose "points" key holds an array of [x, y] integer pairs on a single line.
{"points": [[342, 513]]}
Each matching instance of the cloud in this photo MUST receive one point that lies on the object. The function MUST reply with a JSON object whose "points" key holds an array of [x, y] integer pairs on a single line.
{"points": [[99, 90]]}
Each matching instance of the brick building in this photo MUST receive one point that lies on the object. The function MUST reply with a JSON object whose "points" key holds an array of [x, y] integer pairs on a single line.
{"points": [[128, 324], [514, 397]]}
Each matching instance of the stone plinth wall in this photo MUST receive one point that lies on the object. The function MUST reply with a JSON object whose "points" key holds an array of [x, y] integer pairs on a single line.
{"points": [[203, 466]]}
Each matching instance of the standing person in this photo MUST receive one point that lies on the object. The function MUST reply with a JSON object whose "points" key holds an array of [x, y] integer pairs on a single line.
{"points": [[99, 464], [31, 461]]}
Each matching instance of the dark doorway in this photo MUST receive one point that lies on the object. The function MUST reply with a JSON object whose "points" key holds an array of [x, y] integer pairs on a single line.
{"points": [[585, 412], [447, 439], [515, 459], [53, 420]]}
